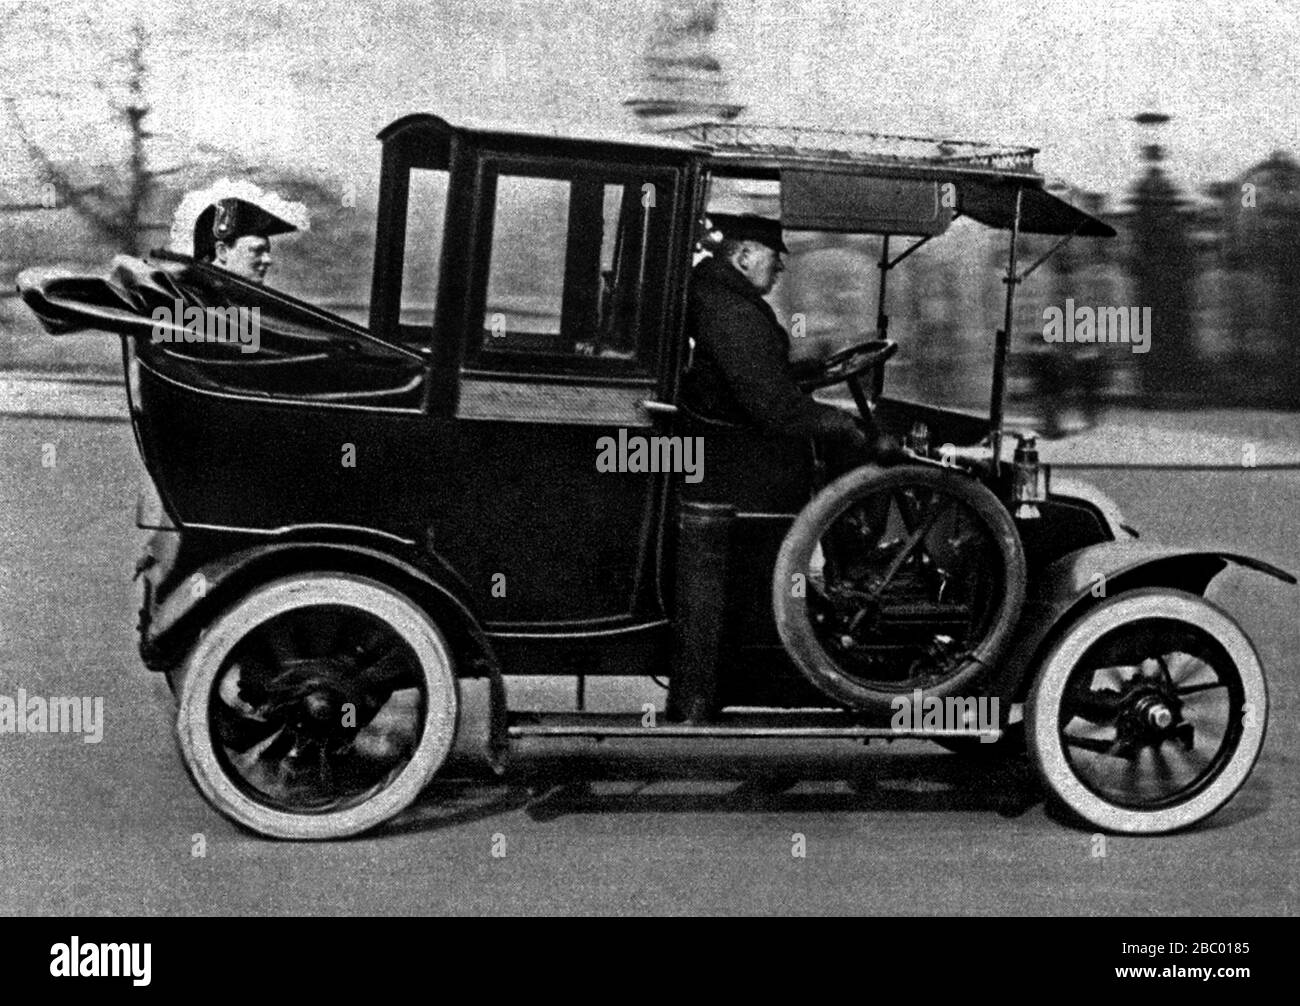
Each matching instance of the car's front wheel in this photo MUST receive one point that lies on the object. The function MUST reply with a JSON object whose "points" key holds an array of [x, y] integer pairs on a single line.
{"points": [[317, 706], [1149, 712], [896, 580]]}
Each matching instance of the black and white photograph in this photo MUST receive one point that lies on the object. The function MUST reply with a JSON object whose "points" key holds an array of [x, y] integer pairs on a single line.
{"points": [[651, 458]]}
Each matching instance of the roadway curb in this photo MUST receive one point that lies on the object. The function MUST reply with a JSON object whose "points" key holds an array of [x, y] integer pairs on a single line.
{"points": [[63, 396]]}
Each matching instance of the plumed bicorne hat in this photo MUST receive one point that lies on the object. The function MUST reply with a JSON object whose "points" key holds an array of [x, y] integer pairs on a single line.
{"points": [[229, 210]]}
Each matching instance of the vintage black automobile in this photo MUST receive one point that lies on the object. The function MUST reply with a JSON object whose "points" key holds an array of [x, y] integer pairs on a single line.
{"points": [[364, 532]]}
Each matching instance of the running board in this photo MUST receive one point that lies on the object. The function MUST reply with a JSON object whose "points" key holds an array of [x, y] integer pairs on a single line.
{"points": [[753, 725]]}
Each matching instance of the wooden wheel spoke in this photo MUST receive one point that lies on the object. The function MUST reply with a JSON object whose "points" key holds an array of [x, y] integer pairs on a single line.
{"points": [[1094, 744], [238, 732], [1206, 686], [1164, 771], [383, 670], [279, 644], [909, 546], [911, 510]]}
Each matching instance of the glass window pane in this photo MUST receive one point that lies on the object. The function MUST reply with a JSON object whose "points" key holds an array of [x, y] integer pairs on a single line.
{"points": [[525, 295], [622, 274], [574, 266], [613, 203], [425, 212]]}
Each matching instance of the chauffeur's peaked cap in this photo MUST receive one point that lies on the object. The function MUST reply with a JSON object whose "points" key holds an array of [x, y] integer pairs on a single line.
{"points": [[749, 227]]}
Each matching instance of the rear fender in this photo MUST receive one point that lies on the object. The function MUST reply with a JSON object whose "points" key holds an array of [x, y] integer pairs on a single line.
{"points": [[169, 628], [1087, 577]]}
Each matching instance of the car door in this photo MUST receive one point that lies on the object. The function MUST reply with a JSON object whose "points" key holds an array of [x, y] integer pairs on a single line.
{"points": [[570, 328]]}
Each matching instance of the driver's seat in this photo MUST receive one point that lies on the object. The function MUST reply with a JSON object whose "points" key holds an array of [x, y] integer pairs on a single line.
{"points": [[746, 468]]}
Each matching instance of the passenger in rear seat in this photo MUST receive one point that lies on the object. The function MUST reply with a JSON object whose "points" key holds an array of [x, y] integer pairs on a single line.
{"points": [[236, 235], [234, 225]]}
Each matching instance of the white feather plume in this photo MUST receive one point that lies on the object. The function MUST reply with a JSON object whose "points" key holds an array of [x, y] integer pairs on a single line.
{"points": [[194, 203]]}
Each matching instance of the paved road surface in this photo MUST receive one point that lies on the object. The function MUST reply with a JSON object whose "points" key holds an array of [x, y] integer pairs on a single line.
{"points": [[111, 827]]}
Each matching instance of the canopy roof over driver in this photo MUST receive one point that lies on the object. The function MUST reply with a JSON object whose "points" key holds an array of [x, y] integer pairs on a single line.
{"points": [[858, 182]]}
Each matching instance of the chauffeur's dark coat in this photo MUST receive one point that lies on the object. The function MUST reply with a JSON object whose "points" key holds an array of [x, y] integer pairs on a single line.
{"points": [[741, 370]]}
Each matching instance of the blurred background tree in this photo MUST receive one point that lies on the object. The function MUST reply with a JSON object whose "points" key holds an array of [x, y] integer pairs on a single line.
{"points": [[115, 198]]}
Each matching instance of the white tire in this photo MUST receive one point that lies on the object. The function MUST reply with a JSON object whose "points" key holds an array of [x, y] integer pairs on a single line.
{"points": [[433, 715], [1067, 749]]}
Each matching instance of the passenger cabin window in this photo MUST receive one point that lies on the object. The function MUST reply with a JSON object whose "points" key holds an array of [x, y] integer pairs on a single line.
{"points": [[575, 276], [525, 295], [426, 209]]}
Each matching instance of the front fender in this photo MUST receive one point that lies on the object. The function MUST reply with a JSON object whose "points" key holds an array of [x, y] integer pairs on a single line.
{"points": [[1089, 575]]}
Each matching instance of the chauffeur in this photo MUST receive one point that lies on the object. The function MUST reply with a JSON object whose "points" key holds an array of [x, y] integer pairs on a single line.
{"points": [[741, 370]]}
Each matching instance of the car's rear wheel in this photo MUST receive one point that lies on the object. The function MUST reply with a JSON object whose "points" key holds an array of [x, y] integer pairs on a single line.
{"points": [[1149, 712], [318, 706], [892, 580]]}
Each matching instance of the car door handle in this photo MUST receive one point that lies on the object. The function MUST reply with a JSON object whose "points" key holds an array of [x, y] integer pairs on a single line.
{"points": [[659, 408]]}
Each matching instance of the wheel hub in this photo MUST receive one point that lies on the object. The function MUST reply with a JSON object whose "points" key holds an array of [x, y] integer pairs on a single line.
{"points": [[311, 694], [1149, 713]]}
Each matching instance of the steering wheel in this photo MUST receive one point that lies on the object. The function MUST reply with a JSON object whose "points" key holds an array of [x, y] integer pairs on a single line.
{"points": [[849, 363]]}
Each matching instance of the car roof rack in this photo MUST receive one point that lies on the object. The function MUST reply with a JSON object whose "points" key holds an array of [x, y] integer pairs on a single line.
{"points": [[767, 146], [761, 144]]}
